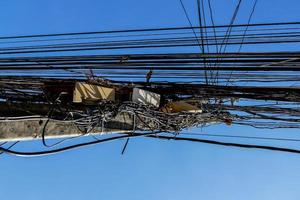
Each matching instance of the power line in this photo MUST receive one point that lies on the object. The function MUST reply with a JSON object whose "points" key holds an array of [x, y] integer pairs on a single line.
{"points": [[230, 26], [246, 29], [202, 37], [151, 135], [144, 30], [241, 137], [228, 144], [75, 146], [249, 20], [191, 25]]}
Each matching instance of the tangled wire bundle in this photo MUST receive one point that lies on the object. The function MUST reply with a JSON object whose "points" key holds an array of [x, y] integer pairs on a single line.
{"points": [[147, 117]]}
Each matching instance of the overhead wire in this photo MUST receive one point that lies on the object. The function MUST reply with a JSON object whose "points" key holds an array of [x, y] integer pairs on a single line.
{"points": [[202, 38], [149, 134], [246, 29], [190, 23], [241, 137]]}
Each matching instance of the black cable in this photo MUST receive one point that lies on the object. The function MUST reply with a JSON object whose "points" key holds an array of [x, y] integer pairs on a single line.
{"points": [[228, 144], [75, 146], [208, 41], [125, 146], [150, 34], [230, 26], [191, 25], [143, 30], [247, 146], [10, 146], [213, 23], [215, 37], [241, 137], [206, 38], [202, 38], [246, 29], [50, 113], [3, 143], [229, 29], [188, 42]]}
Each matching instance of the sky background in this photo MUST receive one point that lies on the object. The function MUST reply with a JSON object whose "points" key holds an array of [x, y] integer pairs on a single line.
{"points": [[150, 169]]}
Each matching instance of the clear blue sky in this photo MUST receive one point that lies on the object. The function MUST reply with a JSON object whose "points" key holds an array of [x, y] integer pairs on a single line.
{"points": [[150, 169]]}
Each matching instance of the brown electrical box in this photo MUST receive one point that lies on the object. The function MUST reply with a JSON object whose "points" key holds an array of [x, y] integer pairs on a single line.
{"points": [[180, 106], [89, 92]]}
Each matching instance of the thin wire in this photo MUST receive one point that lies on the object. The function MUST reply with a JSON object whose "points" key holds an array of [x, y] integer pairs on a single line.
{"points": [[75, 146], [245, 32], [247, 27], [228, 144], [202, 38], [3, 143], [230, 26], [191, 25], [241, 137], [12, 145], [215, 37], [139, 30]]}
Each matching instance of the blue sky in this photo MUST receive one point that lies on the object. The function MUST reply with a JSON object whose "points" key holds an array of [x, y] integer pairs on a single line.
{"points": [[150, 169]]}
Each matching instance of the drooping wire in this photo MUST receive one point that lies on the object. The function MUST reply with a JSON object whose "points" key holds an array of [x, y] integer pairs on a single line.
{"points": [[156, 136], [202, 39], [190, 23], [75, 146], [9, 147], [215, 80], [241, 137], [245, 32], [230, 26]]}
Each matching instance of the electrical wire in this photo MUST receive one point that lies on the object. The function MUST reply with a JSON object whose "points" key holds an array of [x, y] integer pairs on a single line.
{"points": [[71, 147]]}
